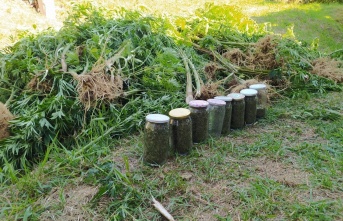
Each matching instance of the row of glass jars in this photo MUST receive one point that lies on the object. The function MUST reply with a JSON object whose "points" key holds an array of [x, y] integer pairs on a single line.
{"points": [[164, 135]]}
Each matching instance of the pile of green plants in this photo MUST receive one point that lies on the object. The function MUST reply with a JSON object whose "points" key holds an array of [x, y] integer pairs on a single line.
{"points": [[99, 75]]}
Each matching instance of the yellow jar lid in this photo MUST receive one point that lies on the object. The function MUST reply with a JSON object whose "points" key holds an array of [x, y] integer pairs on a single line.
{"points": [[179, 113]]}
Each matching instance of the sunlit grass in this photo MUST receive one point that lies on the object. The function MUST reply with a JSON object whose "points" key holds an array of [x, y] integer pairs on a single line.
{"points": [[319, 22]]}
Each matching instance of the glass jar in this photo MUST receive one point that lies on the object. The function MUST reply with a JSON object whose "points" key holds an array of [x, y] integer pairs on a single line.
{"points": [[228, 109], [250, 105], [199, 116], [181, 130], [156, 139], [216, 110], [238, 110], [261, 99]]}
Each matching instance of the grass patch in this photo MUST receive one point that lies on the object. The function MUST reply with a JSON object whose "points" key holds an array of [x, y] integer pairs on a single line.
{"points": [[320, 24], [284, 167]]}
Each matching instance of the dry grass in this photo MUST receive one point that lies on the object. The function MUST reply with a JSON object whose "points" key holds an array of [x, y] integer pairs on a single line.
{"points": [[285, 174], [72, 202]]}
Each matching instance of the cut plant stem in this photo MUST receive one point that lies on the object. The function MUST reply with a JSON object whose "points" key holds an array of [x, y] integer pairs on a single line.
{"points": [[189, 88], [188, 64], [162, 210], [197, 79]]}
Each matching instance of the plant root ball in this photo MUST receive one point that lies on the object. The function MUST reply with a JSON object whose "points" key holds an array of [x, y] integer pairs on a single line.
{"points": [[97, 86], [5, 117], [244, 85], [328, 68]]}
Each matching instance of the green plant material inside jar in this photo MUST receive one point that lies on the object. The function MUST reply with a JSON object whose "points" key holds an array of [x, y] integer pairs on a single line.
{"points": [[260, 112], [200, 118], [227, 119], [182, 135], [216, 119], [156, 143], [238, 112], [250, 109]]}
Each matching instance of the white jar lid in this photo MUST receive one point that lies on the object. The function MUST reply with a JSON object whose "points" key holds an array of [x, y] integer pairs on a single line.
{"points": [[258, 86], [236, 96], [249, 92], [223, 98], [198, 103], [216, 102], [157, 118]]}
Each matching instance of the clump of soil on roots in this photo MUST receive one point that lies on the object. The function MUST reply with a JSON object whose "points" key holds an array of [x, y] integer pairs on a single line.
{"points": [[328, 68], [5, 117], [98, 86], [37, 84], [261, 56], [238, 87], [236, 56], [211, 69], [209, 90]]}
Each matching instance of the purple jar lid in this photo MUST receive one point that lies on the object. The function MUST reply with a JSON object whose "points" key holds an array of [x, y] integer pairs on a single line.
{"points": [[216, 102], [198, 103]]}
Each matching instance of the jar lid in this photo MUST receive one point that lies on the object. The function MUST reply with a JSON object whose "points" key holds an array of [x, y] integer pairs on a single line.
{"points": [[179, 113], [249, 92], [198, 103], [258, 86], [216, 102], [223, 98], [157, 118], [236, 96]]}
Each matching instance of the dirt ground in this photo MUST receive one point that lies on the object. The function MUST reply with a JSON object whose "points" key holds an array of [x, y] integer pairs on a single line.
{"points": [[19, 17]]}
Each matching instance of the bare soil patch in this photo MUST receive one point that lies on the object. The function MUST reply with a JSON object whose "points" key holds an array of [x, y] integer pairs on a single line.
{"points": [[285, 174], [19, 17], [316, 194], [71, 203]]}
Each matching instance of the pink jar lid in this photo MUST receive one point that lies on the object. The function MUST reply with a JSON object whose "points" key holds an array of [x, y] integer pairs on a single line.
{"points": [[216, 102], [198, 103]]}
